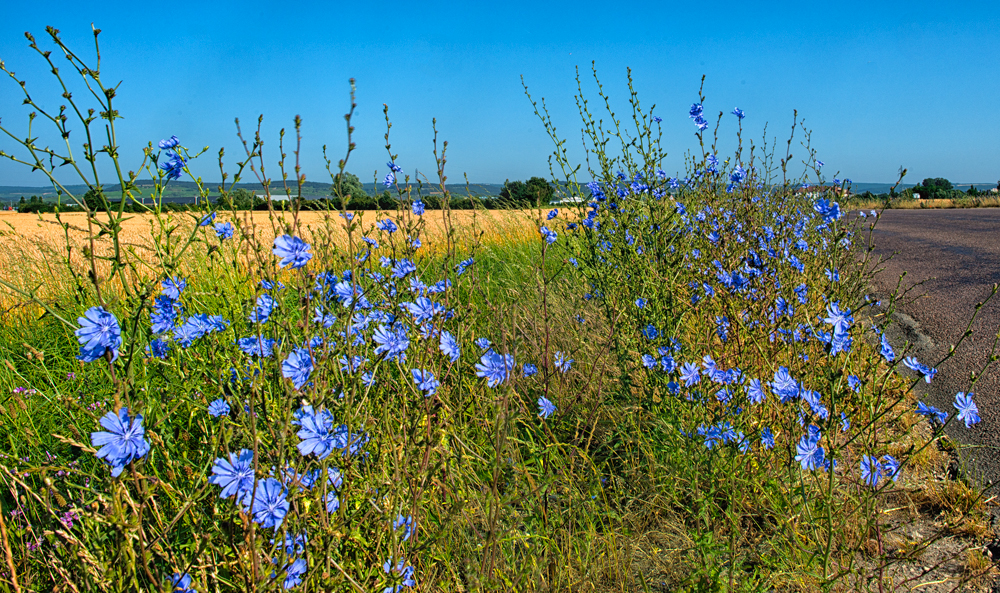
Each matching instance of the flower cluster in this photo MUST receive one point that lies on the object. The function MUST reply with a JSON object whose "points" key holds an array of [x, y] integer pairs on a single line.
{"points": [[169, 324], [780, 278], [725, 347], [175, 163]]}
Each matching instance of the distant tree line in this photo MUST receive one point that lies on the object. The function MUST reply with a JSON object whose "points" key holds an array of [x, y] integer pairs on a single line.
{"points": [[932, 188], [515, 194], [94, 202], [35, 204]]}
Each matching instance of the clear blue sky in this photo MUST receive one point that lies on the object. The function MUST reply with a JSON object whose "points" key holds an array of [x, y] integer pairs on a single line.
{"points": [[881, 84]]}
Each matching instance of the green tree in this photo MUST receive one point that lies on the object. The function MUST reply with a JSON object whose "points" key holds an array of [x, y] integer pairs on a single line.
{"points": [[526, 193], [239, 199], [387, 202], [93, 200], [349, 186], [513, 191], [934, 188], [362, 202], [540, 189]]}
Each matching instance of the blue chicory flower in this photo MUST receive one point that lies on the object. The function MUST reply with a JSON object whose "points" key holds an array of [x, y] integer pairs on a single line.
{"points": [[267, 504], [293, 573], [967, 410], [767, 438], [234, 475], [158, 349], [173, 167], [406, 523], [545, 407], [181, 582], [809, 453], [931, 412], [890, 467], [122, 442], [425, 381], [871, 471], [392, 342], [315, 432], [262, 311], [755, 391], [690, 374], [387, 226], [912, 363], [449, 346], [293, 251], [173, 287], [562, 362], [297, 367], [169, 143], [784, 385], [887, 352], [99, 332], [495, 368], [218, 408], [223, 230], [400, 572]]}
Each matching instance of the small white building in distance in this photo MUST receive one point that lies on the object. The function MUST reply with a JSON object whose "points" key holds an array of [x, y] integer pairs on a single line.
{"points": [[571, 200]]}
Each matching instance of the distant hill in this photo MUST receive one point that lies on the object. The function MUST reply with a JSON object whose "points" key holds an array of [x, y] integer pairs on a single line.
{"points": [[186, 191], [883, 188]]}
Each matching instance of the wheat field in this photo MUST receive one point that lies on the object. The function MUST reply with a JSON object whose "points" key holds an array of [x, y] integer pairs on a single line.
{"points": [[34, 248]]}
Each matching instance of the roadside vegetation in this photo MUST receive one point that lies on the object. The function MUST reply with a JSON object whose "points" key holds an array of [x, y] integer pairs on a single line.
{"points": [[933, 192], [678, 385]]}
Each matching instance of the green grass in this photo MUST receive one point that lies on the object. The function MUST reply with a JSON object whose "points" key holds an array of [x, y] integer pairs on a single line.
{"points": [[558, 528], [647, 476]]}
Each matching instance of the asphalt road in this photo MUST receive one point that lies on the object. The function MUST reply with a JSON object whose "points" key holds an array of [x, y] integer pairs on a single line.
{"points": [[956, 256]]}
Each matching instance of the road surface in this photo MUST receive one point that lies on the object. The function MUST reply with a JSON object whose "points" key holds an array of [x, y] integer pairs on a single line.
{"points": [[956, 253]]}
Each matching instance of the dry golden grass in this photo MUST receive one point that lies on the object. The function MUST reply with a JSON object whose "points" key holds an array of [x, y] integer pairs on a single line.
{"points": [[35, 247], [979, 202], [28, 230]]}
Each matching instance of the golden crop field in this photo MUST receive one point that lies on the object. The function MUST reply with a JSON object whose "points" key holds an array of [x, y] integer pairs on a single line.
{"points": [[21, 230], [33, 247]]}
